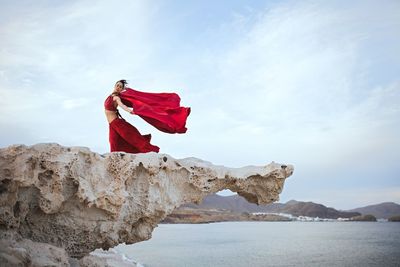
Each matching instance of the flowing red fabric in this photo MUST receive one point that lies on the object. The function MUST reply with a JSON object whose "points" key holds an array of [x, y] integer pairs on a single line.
{"points": [[162, 110], [125, 137]]}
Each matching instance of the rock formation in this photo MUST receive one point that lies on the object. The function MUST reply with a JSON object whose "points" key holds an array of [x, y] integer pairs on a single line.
{"points": [[364, 218], [394, 218], [78, 200]]}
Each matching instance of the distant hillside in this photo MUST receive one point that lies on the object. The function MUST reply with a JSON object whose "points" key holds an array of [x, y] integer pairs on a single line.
{"points": [[237, 203], [233, 203], [189, 215], [298, 208], [384, 210]]}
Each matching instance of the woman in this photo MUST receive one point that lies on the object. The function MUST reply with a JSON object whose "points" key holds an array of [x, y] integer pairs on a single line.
{"points": [[162, 110]]}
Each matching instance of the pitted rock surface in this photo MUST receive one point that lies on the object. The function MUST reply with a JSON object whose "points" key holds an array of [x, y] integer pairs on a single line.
{"points": [[79, 200]]}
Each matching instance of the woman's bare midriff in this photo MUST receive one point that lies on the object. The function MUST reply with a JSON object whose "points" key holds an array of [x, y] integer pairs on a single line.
{"points": [[110, 115]]}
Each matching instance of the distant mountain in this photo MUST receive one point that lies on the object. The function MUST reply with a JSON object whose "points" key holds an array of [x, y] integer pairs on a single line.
{"points": [[236, 203], [298, 208], [384, 210], [189, 215]]}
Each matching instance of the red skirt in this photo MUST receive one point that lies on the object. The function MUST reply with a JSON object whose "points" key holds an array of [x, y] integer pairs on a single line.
{"points": [[126, 138]]}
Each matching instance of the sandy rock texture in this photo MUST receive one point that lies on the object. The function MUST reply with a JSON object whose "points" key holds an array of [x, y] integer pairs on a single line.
{"points": [[79, 200], [17, 251]]}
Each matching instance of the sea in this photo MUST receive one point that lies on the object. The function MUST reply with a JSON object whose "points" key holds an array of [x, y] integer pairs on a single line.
{"points": [[251, 244]]}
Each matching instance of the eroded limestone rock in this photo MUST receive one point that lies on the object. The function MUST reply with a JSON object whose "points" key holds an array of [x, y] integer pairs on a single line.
{"points": [[73, 198], [17, 251]]}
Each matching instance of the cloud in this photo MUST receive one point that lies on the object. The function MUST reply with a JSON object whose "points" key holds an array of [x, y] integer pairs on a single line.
{"points": [[74, 103], [59, 61], [297, 74]]}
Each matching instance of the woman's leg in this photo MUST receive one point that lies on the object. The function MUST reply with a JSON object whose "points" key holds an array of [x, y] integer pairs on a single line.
{"points": [[117, 143], [132, 141], [114, 139]]}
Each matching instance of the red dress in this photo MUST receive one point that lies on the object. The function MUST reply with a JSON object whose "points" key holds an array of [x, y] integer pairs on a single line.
{"points": [[162, 110]]}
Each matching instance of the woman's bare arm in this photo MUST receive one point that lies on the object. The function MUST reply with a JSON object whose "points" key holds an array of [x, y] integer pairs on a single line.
{"points": [[124, 107]]}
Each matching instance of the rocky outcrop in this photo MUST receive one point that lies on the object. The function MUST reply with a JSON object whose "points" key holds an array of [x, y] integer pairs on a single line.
{"points": [[364, 218], [394, 218], [108, 258], [17, 251], [78, 200]]}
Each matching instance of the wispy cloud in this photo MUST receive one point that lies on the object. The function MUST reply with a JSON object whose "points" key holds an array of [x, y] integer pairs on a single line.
{"points": [[74, 103]]}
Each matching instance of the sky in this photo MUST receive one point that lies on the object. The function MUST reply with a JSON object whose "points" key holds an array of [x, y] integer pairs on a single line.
{"points": [[311, 83]]}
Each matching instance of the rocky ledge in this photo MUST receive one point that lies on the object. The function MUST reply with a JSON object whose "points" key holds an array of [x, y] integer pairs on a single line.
{"points": [[71, 201]]}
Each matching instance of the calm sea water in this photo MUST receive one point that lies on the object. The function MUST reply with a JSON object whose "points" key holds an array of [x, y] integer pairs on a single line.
{"points": [[270, 244]]}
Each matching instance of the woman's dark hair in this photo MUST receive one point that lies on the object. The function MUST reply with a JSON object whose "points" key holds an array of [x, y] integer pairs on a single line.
{"points": [[124, 82]]}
